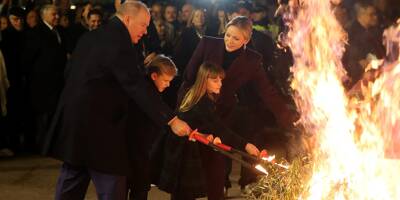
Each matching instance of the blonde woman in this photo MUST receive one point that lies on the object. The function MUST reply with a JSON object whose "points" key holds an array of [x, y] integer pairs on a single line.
{"points": [[191, 35], [192, 170], [244, 71]]}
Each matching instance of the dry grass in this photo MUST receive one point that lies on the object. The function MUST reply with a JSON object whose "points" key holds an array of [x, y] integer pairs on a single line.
{"points": [[281, 184]]}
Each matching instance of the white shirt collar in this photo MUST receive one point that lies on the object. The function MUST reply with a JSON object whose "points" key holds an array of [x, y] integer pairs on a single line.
{"points": [[48, 25]]}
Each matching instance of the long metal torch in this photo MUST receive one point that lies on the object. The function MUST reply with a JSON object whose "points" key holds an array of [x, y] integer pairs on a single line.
{"points": [[264, 158], [221, 148]]}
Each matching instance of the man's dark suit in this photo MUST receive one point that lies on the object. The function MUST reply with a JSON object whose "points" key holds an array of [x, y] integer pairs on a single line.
{"points": [[44, 59], [92, 119]]}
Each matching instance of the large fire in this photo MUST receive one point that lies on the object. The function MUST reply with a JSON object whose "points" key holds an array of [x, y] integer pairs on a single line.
{"points": [[354, 135]]}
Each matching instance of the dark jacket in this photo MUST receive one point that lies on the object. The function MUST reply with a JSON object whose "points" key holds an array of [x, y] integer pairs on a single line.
{"points": [[186, 45], [182, 155], [245, 69], [44, 59], [91, 127]]}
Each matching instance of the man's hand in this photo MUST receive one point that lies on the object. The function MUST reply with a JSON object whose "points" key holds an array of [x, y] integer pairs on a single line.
{"points": [[252, 150], [179, 127]]}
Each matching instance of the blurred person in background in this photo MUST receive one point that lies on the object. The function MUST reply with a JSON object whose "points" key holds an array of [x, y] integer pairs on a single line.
{"points": [[44, 58], [191, 35], [365, 42], [173, 26], [94, 19], [4, 84], [185, 13], [156, 11], [3, 23], [11, 45], [64, 21], [79, 27], [32, 18]]}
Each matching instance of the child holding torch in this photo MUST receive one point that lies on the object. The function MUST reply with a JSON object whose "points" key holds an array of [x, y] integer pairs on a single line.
{"points": [[192, 170]]}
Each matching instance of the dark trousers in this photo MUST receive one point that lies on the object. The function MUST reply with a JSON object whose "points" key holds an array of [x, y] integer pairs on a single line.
{"points": [[73, 183]]}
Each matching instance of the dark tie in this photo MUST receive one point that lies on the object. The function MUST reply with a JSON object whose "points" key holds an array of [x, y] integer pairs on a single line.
{"points": [[57, 35]]}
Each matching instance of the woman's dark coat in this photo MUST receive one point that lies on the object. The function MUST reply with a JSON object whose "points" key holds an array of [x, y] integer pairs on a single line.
{"points": [[246, 69]]}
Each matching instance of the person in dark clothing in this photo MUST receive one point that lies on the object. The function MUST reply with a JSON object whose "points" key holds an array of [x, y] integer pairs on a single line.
{"points": [[243, 69], [160, 72], [192, 170], [12, 44], [90, 131], [44, 59], [76, 30], [365, 43], [187, 43], [190, 37]]}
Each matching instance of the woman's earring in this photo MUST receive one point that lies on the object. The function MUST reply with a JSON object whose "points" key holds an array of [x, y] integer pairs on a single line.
{"points": [[244, 46]]}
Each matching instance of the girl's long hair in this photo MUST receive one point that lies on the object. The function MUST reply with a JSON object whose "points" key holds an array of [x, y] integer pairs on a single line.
{"points": [[199, 88]]}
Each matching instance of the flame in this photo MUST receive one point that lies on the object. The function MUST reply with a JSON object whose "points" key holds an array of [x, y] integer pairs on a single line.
{"points": [[261, 169], [353, 136]]}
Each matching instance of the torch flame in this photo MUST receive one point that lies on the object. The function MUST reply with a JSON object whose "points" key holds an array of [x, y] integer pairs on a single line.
{"points": [[354, 136], [261, 169]]}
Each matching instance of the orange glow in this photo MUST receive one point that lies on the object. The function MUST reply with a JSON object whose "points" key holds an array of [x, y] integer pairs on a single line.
{"points": [[354, 135]]}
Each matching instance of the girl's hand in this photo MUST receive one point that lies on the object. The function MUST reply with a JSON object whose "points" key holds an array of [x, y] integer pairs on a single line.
{"points": [[217, 140], [209, 137], [252, 150]]}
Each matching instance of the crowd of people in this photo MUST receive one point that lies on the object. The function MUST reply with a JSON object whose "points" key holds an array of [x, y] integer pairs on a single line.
{"points": [[110, 92]]}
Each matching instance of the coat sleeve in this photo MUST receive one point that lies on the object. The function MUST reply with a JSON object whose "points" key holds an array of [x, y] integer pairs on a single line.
{"points": [[213, 123], [127, 73], [31, 49], [272, 98]]}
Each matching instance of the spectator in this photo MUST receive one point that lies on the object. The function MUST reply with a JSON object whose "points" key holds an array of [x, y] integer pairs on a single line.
{"points": [[45, 58], [156, 11], [173, 26], [3, 23], [11, 45], [32, 18], [359, 52], [94, 19], [185, 13]]}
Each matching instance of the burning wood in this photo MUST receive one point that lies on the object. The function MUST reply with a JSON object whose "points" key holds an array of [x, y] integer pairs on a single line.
{"points": [[354, 137]]}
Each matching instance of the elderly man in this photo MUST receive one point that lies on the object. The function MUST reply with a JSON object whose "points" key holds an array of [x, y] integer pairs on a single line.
{"points": [[44, 58], [90, 129]]}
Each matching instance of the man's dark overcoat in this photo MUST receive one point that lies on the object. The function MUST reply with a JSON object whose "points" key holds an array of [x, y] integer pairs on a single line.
{"points": [[90, 127]]}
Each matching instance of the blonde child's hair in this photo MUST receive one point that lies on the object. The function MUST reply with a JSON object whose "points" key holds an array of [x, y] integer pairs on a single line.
{"points": [[161, 64], [199, 88]]}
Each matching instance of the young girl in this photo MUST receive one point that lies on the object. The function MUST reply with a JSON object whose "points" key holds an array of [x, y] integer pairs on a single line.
{"points": [[190, 169]]}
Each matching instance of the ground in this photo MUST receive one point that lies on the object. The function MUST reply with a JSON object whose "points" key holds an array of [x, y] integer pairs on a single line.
{"points": [[34, 177]]}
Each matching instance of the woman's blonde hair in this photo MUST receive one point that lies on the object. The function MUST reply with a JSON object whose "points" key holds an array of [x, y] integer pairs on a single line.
{"points": [[199, 88], [244, 24], [161, 65], [191, 17]]}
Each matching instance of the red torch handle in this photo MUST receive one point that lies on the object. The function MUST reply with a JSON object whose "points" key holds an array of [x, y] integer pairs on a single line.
{"points": [[224, 147], [200, 138]]}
